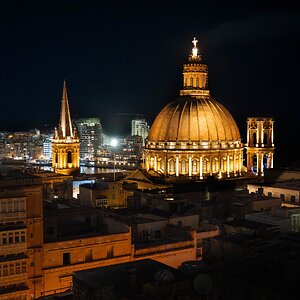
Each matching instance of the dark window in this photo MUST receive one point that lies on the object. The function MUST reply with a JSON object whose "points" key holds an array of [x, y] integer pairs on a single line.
{"points": [[157, 234], [260, 191], [269, 194], [179, 223], [265, 138], [10, 240], [110, 252], [69, 157], [254, 138], [293, 198], [50, 230], [88, 255], [56, 158], [66, 258], [282, 197]]}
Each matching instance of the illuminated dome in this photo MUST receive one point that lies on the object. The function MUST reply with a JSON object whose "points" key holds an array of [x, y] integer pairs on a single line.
{"points": [[194, 119], [194, 136]]}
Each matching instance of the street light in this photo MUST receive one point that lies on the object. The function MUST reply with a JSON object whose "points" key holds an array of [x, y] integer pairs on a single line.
{"points": [[114, 144]]}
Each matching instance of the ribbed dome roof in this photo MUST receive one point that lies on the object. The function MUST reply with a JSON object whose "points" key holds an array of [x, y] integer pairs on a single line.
{"points": [[193, 119]]}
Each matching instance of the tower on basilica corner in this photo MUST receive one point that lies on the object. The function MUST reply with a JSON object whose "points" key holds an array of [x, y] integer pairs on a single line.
{"points": [[65, 143], [260, 145]]}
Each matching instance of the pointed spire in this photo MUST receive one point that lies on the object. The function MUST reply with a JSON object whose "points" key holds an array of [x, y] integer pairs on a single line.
{"points": [[55, 136], [65, 125]]}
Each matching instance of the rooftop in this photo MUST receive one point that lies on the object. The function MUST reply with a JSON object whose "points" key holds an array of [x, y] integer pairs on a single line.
{"points": [[291, 184], [120, 276], [248, 224]]}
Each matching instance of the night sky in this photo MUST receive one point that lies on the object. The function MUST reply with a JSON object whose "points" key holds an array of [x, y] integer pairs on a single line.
{"points": [[127, 56]]}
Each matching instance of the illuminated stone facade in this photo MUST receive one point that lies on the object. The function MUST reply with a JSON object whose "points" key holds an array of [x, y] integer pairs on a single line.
{"points": [[38, 258], [65, 143], [260, 144], [194, 136], [21, 236]]}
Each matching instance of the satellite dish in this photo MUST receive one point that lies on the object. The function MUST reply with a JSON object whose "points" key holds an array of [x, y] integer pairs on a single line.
{"points": [[164, 276], [202, 284]]}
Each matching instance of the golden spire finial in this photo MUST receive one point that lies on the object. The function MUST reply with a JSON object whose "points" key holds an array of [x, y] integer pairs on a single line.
{"points": [[195, 49], [65, 124]]}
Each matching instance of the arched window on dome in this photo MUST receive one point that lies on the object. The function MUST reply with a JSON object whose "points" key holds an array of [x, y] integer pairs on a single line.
{"points": [[202, 81], [183, 166], [160, 165], [151, 164], [69, 157], [172, 166], [223, 164], [191, 81], [197, 82], [194, 166], [214, 166], [204, 166], [185, 81]]}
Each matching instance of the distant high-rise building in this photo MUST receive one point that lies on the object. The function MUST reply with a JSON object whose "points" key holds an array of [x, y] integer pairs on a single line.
{"points": [[65, 143], [90, 135], [140, 127], [47, 147]]}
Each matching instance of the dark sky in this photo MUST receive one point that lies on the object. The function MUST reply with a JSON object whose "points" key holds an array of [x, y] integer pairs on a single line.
{"points": [[127, 56]]}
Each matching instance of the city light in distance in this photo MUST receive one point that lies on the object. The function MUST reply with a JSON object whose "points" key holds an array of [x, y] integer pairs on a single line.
{"points": [[114, 142]]}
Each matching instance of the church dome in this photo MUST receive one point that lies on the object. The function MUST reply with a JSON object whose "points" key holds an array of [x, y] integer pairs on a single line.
{"points": [[191, 119], [194, 136]]}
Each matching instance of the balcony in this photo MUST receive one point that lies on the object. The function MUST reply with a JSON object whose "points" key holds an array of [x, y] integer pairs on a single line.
{"points": [[13, 279], [12, 217], [13, 248], [147, 249]]}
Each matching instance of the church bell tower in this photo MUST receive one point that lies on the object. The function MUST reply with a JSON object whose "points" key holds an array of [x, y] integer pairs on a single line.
{"points": [[260, 145], [65, 143]]}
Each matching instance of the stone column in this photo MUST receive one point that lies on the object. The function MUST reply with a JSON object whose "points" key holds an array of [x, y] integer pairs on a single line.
{"points": [[147, 163], [262, 164], [60, 157], [258, 164], [165, 166], [249, 161], [190, 166], [271, 160], [228, 165], [201, 167], [210, 165], [177, 166], [240, 163], [155, 163], [272, 135], [248, 134], [234, 164]]}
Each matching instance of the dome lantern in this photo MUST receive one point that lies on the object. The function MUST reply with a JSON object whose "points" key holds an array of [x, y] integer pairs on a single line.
{"points": [[195, 75]]}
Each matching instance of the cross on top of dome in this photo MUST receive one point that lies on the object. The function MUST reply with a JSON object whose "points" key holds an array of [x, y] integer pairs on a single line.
{"points": [[195, 56], [195, 49]]}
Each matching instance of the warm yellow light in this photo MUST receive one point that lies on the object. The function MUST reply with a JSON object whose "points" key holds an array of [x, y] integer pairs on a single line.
{"points": [[195, 49]]}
